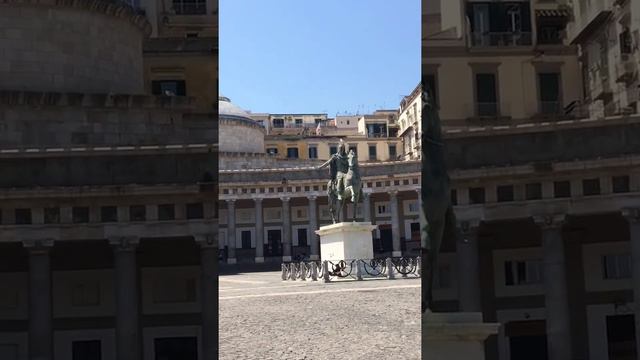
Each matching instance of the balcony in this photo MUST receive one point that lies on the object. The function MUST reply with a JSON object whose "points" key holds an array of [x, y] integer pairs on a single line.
{"points": [[501, 39], [483, 111], [599, 83]]}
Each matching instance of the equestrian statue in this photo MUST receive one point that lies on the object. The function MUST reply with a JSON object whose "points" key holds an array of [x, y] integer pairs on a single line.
{"points": [[437, 216], [345, 184]]}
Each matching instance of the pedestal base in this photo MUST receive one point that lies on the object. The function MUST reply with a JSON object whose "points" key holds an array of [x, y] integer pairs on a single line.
{"points": [[346, 241], [448, 336]]}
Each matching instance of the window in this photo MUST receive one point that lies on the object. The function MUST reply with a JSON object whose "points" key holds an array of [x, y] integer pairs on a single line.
{"points": [[313, 152], [109, 214], [454, 197], [430, 86], [166, 212], [176, 348], [80, 214], [562, 189], [23, 216], [272, 151], [392, 151], [533, 191], [137, 213], [86, 350], [195, 211], [245, 236], [476, 195], [616, 266], [620, 184], [486, 95], [413, 207], [415, 231], [318, 121], [292, 153], [373, 153], [168, 87], [298, 122], [626, 42], [382, 209], [278, 123], [302, 237], [333, 149], [500, 23], [526, 272], [190, 7], [590, 187], [52, 215], [505, 193], [549, 93]]}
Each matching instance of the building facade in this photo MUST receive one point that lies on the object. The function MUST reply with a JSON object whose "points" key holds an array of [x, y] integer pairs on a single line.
{"points": [[107, 231], [544, 184], [272, 201]]}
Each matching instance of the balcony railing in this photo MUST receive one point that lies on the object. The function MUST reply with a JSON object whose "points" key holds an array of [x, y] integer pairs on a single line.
{"points": [[487, 109], [501, 39]]}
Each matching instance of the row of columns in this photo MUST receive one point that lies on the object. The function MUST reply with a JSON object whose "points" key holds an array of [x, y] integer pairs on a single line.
{"points": [[313, 224], [128, 330], [558, 326]]}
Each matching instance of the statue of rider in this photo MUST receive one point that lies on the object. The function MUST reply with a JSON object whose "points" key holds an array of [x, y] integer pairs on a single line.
{"points": [[339, 166]]}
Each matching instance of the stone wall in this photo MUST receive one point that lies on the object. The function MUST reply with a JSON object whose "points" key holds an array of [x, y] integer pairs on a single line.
{"points": [[186, 168], [608, 139], [27, 125], [89, 46]]}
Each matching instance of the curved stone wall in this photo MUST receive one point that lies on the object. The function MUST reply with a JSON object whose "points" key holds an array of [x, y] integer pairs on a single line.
{"points": [[74, 46], [237, 135]]}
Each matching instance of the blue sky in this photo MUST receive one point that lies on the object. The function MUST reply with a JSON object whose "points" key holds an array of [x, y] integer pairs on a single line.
{"points": [[316, 56]]}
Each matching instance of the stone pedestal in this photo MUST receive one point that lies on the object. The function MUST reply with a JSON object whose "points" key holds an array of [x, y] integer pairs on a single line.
{"points": [[346, 241], [447, 336]]}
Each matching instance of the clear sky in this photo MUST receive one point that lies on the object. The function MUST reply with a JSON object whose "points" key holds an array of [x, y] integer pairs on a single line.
{"points": [[317, 56]]}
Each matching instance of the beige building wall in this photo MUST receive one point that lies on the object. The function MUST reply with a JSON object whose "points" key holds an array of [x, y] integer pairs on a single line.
{"points": [[324, 146]]}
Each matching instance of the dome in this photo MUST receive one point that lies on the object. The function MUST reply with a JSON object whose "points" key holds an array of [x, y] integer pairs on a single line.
{"points": [[227, 109], [237, 132]]}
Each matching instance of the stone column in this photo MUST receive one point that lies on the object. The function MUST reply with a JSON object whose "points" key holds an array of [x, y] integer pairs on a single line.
{"points": [[286, 230], [313, 226], [395, 223], [633, 217], [231, 231], [557, 306], [259, 231], [468, 269], [366, 206], [209, 288], [40, 308], [128, 334]]}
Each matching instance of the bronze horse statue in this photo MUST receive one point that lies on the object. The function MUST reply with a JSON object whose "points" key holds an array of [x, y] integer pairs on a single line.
{"points": [[352, 189], [437, 217]]}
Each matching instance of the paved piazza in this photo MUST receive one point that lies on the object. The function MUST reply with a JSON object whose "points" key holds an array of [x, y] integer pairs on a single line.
{"points": [[263, 317]]}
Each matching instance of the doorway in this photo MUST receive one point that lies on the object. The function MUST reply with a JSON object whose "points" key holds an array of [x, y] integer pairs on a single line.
{"points": [[274, 243]]}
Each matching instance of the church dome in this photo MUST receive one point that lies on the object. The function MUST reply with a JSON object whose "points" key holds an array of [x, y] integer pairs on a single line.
{"points": [[238, 133]]}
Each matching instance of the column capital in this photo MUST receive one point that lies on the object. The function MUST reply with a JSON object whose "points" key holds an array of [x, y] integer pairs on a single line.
{"points": [[206, 240], [392, 193], [312, 197], [257, 200], [38, 245], [231, 201], [285, 199], [124, 243], [551, 221], [631, 214]]}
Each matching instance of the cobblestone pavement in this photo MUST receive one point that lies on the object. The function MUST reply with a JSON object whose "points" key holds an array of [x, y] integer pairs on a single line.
{"points": [[263, 317]]}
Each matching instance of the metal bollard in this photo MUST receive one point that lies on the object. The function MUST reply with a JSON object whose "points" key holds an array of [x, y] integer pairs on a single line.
{"points": [[303, 271], [325, 270], [419, 266], [314, 271], [284, 272], [390, 274], [358, 270], [294, 269]]}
